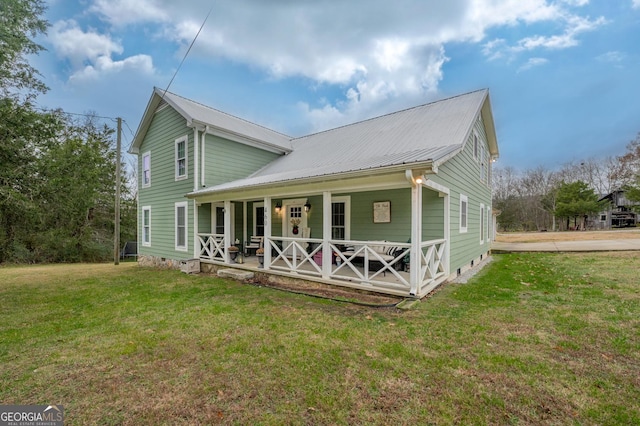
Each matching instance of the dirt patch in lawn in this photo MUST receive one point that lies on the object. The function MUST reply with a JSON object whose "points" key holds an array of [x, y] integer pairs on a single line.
{"points": [[327, 291], [535, 237]]}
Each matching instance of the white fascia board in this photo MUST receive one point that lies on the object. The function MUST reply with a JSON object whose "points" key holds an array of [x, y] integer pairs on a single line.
{"points": [[226, 134]]}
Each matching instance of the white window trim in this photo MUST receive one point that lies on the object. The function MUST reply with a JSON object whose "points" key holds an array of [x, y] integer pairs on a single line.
{"points": [[487, 235], [148, 184], [144, 243], [482, 164], [186, 225], [256, 206], [482, 222], [346, 199], [465, 228], [184, 139]]}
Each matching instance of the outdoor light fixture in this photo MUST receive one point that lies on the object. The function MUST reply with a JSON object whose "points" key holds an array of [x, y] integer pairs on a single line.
{"points": [[278, 207], [307, 206], [419, 180]]}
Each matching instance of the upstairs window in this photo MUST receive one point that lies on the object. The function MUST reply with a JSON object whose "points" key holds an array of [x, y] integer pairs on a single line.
{"points": [[146, 169], [181, 158], [483, 165], [476, 145]]}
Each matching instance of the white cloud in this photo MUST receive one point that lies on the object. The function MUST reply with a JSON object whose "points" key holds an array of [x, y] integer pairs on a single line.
{"points": [[90, 53], [123, 12], [636, 4], [533, 62], [389, 54], [576, 2], [69, 41], [105, 65], [613, 57], [575, 26]]}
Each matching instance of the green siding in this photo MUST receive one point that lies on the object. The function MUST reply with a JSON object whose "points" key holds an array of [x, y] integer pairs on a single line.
{"points": [[167, 126], [227, 161], [224, 161], [461, 175], [204, 218], [399, 229]]}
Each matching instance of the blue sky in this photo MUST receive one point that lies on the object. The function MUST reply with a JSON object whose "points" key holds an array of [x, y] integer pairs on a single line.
{"points": [[563, 74]]}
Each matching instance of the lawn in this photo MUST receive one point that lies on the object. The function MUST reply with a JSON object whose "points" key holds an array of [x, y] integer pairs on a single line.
{"points": [[532, 339]]}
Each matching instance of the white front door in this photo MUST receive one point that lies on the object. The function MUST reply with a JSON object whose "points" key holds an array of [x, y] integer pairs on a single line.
{"points": [[294, 220]]}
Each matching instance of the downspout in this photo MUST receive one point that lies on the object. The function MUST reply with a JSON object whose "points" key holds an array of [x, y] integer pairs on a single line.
{"points": [[195, 158], [202, 153], [196, 241]]}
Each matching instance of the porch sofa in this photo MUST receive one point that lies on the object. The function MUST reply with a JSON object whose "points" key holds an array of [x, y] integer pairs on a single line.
{"points": [[385, 249]]}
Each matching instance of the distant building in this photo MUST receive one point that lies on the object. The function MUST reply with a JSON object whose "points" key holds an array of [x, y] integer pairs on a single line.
{"points": [[619, 212]]}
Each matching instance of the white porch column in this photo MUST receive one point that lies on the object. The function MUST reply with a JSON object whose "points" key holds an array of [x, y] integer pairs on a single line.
{"points": [[267, 233], [244, 226], [416, 238], [202, 168], [326, 235], [447, 232], [227, 230], [444, 192], [196, 240]]}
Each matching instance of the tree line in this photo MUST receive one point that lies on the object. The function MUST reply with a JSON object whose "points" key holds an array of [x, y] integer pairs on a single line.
{"points": [[543, 199], [57, 173]]}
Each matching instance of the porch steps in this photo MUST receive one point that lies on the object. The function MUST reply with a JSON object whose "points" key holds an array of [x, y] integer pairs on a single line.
{"points": [[235, 274]]}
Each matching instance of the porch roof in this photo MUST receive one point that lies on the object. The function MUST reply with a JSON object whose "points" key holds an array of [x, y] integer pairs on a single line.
{"points": [[427, 134]]}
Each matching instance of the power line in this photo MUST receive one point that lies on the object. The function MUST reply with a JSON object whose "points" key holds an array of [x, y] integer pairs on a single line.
{"points": [[43, 109], [130, 131], [187, 52]]}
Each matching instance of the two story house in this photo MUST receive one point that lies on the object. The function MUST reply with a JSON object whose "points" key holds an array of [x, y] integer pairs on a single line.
{"points": [[396, 204]]}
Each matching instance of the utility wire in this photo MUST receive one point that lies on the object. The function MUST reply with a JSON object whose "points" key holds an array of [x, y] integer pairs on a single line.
{"points": [[130, 131], [187, 52]]}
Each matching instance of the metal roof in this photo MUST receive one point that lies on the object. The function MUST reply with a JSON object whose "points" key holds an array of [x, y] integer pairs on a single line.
{"points": [[429, 133], [198, 113]]}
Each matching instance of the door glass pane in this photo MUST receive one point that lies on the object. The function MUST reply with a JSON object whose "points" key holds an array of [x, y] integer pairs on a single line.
{"points": [[338, 221], [260, 221]]}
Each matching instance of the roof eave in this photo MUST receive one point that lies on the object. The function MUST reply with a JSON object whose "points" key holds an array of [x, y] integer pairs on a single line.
{"points": [[423, 165], [141, 132]]}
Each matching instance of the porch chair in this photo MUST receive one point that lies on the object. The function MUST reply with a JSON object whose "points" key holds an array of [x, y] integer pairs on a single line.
{"points": [[254, 244]]}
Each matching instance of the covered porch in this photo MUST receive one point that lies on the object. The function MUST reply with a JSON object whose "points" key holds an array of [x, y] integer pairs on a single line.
{"points": [[390, 236]]}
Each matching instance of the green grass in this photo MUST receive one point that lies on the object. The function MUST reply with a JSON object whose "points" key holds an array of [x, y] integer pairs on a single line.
{"points": [[533, 339]]}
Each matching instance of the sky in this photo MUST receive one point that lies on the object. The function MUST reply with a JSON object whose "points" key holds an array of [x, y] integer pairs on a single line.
{"points": [[563, 75]]}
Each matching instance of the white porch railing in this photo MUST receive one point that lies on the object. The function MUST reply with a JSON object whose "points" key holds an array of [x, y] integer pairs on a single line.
{"points": [[432, 262], [292, 255], [364, 264], [212, 247]]}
